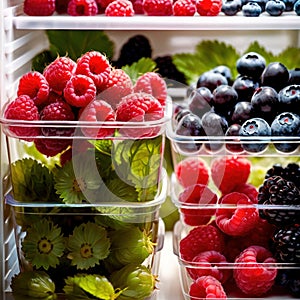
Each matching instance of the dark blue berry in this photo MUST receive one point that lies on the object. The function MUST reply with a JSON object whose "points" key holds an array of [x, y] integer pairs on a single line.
{"points": [[275, 75], [180, 113], [231, 7], [297, 7], [294, 74], [233, 131], [242, 112], [251, 64], [289, 98], [224, 70], [251, 9], [211, 80], [284, 125], [245, 87], [200, 101], [224, 98], [255, 127], [289, 4], [275, 7]]}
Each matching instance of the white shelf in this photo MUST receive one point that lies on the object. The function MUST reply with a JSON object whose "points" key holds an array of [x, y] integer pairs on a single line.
{"points": [[287, 21]]}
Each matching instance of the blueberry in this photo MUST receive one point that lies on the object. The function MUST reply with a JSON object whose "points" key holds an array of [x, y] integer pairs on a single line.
{"points": [[294, 73], [231, 7], [251, 9], [289, 98], [224, 98], [275, 75], [289, 4], [275, 7], [190, 125], [242, 112], [261, 3], [265, 103], [245, 87], [297, 7], [224, 70], [233, 131], [200, 101], [286, 124], [255, 127], [251, 64], [211, 80], [180, 112], [214, 125]]}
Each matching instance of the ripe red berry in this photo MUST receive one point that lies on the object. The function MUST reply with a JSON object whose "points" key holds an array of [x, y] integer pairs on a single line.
{"points": [[61, 6], [51, 146], [82, 8], [80, 90], [199, 239], [253, 271], [194, 196], [96, 66], [184, 8], [239, 220], [119, 8], [158, 7], [209, 7], [59, 72], [35, 85], [228, 172], [39, 7], [207, 287]]}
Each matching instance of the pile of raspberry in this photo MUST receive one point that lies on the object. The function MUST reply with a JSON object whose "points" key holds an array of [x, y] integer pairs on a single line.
{"points": [[123, 8], [80, 94], [229, 246]]}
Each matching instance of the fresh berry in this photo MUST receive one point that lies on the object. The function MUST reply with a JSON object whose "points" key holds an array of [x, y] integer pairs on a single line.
{"points": [[285, 244], [192, 171], [209, 263], [35, 85], [245, 87], [200, 101], [98, 111], [224, 98], [119, 8], [57, 111], [289, 99], [139, 107], [228, 172], [102, 4], [277, 191], [152, 83], [294, 74], [275, 7], [51, 146], [158, 7], [233, 145], [61, 6], [239, 220], [209, 7], [206, 287], [242, 112], [286, 124], [231, 7], [184, 8], [82, 8], [290, 280], [96, 66], [211, 80], [224, 71], [137, 47], [199, 239], [23, 108], [80, 90], [59, 72], [253, 273], [255, 127], [297, 7], [39, 7], [251, 9], [191, 200], [251, 65], [249, 190]]}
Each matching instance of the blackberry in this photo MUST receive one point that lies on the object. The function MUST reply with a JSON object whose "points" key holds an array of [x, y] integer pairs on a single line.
{"points": [[168, 69], [285, 244], [290, 280], [278, 191], [134, 49]]}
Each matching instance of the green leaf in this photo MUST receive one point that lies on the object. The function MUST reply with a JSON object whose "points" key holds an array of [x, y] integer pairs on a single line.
{"points": [[290, 57], [74, 43], [139, 68], [256, 47]]}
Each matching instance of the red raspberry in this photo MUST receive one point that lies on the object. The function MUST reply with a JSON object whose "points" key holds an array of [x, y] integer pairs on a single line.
{"points": [[59, 72], [158, 7], [192, 170], [239, 220], [119, 8], [35, 85], [207, 287], [138, 7], [209, 263], [23, 108], [96, 66], [39, 7], [184, 8], [80, 90], [208, 7], [53, 97], [249, 190], [194, 196], [139, 107], [52, 147], [199, 239], [61, 6], [253, 271], [153, 84], [102, 4], [57, 111], [98, 111], [118, 86], [82, 8], [228, 172]]}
